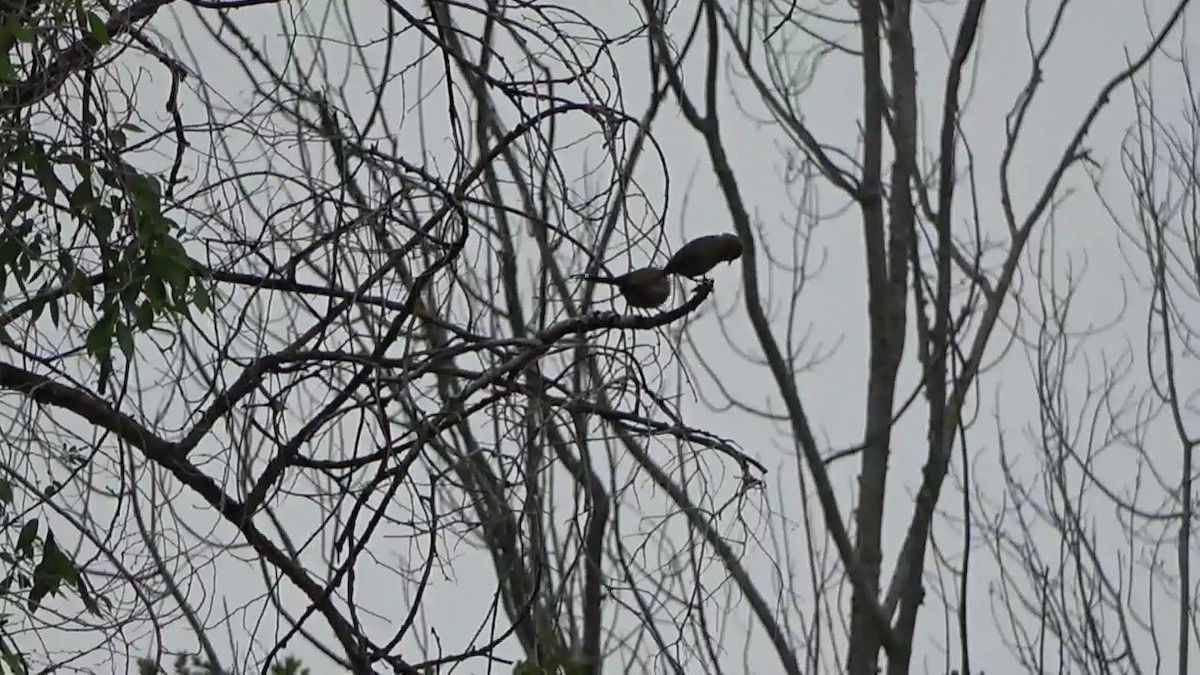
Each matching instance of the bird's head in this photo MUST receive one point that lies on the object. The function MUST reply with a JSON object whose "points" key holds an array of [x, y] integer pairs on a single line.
{"points": [[731, 247]]}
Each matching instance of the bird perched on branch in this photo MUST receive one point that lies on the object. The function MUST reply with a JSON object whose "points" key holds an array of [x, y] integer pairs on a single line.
{"points": [[697, 257], [646, 287]]}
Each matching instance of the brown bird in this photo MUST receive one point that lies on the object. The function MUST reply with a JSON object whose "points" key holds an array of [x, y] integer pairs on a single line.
{"points": [[697, 257], [645, 287]]}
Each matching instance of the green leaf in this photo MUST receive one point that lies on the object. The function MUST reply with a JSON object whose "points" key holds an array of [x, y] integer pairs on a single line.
{"points": [[143, 315], [10, 250], [129, 294], [14, 664], [26, 538], [38, 591], [145, 193], [83, 288], [23, 266], [130, 291], [84, 167], [67, 263], [85, 594], [7, 72], [102, 222], [574, 668], [59, 564], [24, 204], [82, 199], [156, 292], [201, 297], [125, 339], [44, 170], [174, 250], [149, 667], [176, 272], [23, 34], [109, 177], [99, 338], [98, 28]]}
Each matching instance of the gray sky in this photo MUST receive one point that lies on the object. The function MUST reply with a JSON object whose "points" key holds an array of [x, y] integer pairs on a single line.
{"points": [[1082, 242]]}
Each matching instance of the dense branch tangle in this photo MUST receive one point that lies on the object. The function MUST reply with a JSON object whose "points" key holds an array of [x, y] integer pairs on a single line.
{"points": [[909, 203], [398, 403], [372, 350]]}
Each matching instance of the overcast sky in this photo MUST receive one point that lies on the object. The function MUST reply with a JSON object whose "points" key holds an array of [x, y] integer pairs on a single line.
{"points": [[1082, 243]]}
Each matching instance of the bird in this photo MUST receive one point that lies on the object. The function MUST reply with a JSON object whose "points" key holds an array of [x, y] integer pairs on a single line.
{"points": [[645, 287], [697, 257]]}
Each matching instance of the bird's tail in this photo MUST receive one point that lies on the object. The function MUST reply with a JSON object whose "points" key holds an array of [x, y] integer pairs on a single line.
{"points": [[599, 279]]}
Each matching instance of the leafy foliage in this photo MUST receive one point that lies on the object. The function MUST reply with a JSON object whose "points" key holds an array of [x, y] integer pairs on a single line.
{"points": [[190, 664], [83, 233]]}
